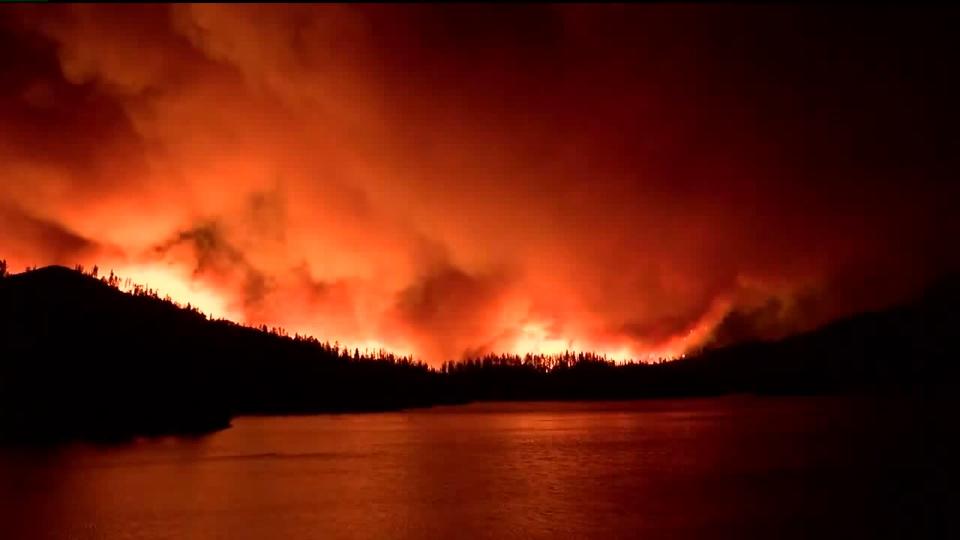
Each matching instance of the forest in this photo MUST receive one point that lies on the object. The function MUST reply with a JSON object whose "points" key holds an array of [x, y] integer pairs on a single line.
{"points": [[92, 356]]}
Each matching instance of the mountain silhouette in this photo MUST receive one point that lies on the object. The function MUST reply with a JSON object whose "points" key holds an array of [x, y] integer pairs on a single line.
{"points": [[80, 358], [905, 349], [83, 359]]}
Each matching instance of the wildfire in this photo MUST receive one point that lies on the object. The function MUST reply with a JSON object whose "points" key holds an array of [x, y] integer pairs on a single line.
{"points": [[536, 338], [178, 285]]}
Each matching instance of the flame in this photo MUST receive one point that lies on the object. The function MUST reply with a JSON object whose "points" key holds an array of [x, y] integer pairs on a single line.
{"points": [[536, 338], [178, 284], [342, 173]]}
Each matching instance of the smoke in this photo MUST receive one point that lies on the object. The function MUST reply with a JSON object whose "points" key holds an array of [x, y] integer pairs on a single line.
{"points": [[452, 180]]}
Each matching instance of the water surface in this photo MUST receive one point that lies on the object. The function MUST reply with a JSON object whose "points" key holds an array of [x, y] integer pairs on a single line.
{"points": [[734, 467]]}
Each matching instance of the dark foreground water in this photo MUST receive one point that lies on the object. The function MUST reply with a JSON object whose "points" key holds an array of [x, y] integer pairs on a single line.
{"points": [[736, 467]]}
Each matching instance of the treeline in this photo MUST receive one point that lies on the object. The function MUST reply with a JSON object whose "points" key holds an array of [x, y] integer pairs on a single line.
{"points": [[80, 357], [335, 349], [911, 348], [564, 376]]}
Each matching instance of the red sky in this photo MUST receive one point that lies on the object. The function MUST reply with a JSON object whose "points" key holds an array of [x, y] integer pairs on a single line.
{"points": [[445, 180]]}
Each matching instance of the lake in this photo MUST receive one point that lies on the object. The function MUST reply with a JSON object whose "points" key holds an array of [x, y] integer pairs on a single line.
{"points": [[731, 467]]}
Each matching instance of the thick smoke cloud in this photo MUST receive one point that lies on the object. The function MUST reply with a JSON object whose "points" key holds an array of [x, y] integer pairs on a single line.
{"points": [[448, 180]]}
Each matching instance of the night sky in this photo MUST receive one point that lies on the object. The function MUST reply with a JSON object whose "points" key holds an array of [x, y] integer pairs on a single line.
{"points": [[447, 181]]}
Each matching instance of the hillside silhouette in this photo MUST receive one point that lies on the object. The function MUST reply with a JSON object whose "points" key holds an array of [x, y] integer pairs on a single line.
{"points": [[909, 349], [81, 358]]}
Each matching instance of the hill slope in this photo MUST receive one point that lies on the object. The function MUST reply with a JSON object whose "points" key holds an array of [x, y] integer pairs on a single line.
{"points": [[911, 348], [81, 358]]}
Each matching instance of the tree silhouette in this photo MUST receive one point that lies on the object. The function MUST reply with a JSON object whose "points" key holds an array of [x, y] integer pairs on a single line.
{"points": [[82, 355]]}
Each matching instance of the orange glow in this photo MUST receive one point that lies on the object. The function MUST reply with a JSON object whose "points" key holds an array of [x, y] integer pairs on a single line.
{"points": [[177, 284], [534, 339], [445, 183]]}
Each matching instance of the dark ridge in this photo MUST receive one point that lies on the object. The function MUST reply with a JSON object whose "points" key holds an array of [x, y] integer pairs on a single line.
{"points": [[80, 358], [907, 349]]}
